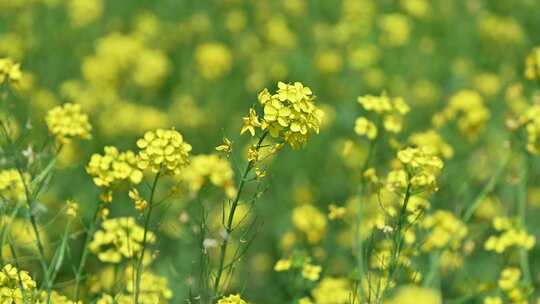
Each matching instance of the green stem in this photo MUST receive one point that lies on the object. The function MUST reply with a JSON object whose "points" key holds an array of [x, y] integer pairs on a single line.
{"points": [[145, 238], [522, 209], [84, 256], [398, 238], [229, 222]]}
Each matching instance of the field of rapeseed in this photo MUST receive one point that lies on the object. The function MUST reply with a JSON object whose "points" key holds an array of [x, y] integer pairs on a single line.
{"points": [[269, 151]]}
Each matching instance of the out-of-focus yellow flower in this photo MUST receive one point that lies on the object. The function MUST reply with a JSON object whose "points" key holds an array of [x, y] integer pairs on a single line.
{"points": [[12, 186], [9, 70], [83, 12], [415, 294], [72, 208], [532, 64], [395, 29], [364, 127], [217, 170], [332, 291], [511, 235], [213, 60], [119, 238], [335, 212], [310, 221], [446, 231], [232, 299]]}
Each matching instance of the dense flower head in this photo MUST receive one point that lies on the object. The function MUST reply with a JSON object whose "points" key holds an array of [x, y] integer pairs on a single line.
{"points": [[532, 64], [231, 299], [163, 150], [446, 231], [114, 166], [67, 122], [290, 114], [213, 59], [119, 238], [419, 171], [217, 170], [9, 70], [511, 235], [11, 185]]}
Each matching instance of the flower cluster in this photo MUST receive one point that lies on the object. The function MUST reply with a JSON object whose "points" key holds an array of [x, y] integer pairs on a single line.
{"points": [[468, 109], [231, 299], [530, 120], [388, 110], [290, 114], [446, 231], [68, 121], [11, 281], [217, 170], [419, 171], [11, 185], [532, 64], [511, 235], [119, 238], [17, 287], [9, 70], [113, 166], [163, 150]]}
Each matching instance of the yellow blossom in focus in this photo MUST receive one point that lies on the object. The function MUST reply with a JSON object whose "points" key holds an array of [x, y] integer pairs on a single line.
{"points": [[113, 166], [163, 151], [67, 122]]}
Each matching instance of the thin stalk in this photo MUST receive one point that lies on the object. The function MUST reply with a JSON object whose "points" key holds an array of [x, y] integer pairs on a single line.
{"points": [[522, 209], [84, 256], [359, 214], [145, 237], [15, 257], [31, 216], [229, 222], [398, 237]]}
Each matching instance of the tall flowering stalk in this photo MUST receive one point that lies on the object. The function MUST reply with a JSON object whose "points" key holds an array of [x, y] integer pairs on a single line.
{"points": [[163, 152], [290, 117]]}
